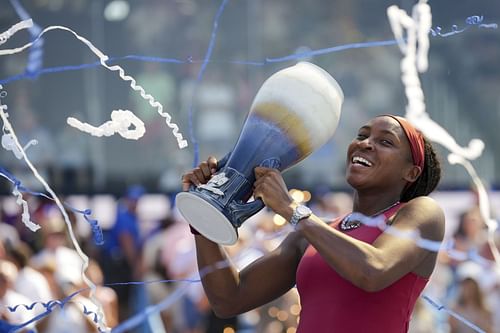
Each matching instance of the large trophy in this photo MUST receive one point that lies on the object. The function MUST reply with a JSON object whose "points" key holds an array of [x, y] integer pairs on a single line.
{"points": [[295, 112]]}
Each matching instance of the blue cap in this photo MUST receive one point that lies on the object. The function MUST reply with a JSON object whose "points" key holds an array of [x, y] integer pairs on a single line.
{"points": [[134, 192]]}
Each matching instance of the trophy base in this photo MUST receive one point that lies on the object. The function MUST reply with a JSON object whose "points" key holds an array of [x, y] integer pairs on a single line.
{"points": [[206, 219]]}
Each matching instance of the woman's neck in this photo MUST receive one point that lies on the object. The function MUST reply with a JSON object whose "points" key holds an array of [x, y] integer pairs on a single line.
{"points": [[372, 204]]}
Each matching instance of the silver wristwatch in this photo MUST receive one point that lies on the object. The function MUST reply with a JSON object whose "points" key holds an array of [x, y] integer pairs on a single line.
{"points": [[300, 212]]}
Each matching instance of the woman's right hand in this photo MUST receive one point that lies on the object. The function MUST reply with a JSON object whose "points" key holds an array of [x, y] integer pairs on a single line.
{"points": [[201, 174]]}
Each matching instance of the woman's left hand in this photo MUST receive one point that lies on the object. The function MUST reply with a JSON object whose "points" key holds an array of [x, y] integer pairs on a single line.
{"points": [[270, 187]]}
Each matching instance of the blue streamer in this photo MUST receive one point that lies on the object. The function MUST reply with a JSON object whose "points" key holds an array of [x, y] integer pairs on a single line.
{"points": [[35, 57], [34, 71], [302, 55], [469, 21], [131, 322], [437, 32], [206, 60], [138, 318], [441, 307], [94, 224]]}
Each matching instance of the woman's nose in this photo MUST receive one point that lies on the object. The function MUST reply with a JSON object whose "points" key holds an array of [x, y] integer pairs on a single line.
{"points": [[365, 144]]}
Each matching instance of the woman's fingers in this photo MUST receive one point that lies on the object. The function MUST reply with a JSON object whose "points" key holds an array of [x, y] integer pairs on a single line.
{"points": [[205, 170], [200, 175], [189, 179], [212, 164]]}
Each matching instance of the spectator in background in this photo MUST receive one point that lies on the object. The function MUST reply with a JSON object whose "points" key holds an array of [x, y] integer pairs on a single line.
{"points": [[8, 234], [470, 305], [333, 204], [470, 234], [29, 282], [179, 259], [9, 297], [469, 237], [105, 295], [422, 319], [61, 265], [121, 257], [154, 269]]}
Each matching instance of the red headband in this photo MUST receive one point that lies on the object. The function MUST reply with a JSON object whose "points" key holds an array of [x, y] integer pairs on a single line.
{"points": [[416, 140]]}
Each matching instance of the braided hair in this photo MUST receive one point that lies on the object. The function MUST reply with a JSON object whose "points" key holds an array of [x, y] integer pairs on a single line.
{"points": [[428, 179]]}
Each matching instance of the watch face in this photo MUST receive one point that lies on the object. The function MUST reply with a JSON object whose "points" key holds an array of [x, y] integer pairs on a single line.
{"points": [[303, 210]]}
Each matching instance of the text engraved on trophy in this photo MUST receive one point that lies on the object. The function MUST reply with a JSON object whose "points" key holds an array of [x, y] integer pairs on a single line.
{"points": [[213, 184]]}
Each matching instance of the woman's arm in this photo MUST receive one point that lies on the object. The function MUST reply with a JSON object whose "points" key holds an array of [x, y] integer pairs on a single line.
{"points": [[374, 266], [231, 292]]}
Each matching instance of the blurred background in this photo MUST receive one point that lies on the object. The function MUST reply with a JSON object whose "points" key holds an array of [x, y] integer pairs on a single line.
{"points": [[130, 185]]}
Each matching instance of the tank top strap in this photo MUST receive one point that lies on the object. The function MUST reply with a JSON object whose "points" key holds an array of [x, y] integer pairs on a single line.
{"points": [[393, 210]]}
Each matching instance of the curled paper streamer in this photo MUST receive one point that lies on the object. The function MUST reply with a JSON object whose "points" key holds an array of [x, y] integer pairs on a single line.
{"points": [[417, 28], [120, 123], [484, 204], [103, 59], [87, 213], [4, 36], [470, 21], [7, 127], [25, 216], [9, 144], [415, 60]]}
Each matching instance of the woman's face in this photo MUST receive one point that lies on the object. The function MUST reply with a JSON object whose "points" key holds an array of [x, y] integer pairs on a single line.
{"points": [[472, 223], [379, 155]]}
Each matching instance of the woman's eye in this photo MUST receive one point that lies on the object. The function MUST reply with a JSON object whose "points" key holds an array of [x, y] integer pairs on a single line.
{"points": [[386, 142]]}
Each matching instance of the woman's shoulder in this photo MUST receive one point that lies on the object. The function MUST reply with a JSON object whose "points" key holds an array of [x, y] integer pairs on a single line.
{"points": [[424, 206], [426, 214]]}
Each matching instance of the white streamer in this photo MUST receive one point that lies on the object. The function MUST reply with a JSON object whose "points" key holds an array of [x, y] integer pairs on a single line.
{"points": [[25, 216], [9, 144], [103, 58], [8, 128], [484, 203], [418, 28], [415, 60], [4, 36], [120, 122]]}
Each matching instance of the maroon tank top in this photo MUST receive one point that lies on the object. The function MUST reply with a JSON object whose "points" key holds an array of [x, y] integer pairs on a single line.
{"points": [[332, 304]]}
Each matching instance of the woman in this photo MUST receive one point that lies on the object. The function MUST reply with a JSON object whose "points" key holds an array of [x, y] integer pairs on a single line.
{"points": [[471, 305], [350, 277]]}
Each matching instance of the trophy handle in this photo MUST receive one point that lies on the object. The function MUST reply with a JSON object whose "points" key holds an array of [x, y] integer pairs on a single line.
{"points": [[242, 211], [223, 161]]}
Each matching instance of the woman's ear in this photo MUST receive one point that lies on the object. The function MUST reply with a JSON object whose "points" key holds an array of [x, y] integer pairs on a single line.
{"points": [[413, 173]]}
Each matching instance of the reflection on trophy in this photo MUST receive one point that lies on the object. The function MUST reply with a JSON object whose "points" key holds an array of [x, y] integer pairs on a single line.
{"points": [[294, 113]]}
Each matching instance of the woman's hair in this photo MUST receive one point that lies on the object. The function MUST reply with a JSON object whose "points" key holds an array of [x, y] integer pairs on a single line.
{"points": [[461, 232], [476, 296], [428, 179]]}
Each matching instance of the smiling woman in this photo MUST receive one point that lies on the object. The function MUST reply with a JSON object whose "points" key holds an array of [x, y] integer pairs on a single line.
{"points": [[392, 169], [395, 134]]}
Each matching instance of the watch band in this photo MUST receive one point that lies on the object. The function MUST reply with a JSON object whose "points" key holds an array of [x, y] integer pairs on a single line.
{"points": [[300, 212]]}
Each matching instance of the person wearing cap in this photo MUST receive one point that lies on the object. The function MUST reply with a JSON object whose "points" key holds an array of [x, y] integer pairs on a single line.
{"points": [[351, 277]]}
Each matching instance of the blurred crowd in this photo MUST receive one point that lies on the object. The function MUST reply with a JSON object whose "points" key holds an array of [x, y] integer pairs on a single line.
{"points": [[143, 246], [145, 243]]}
